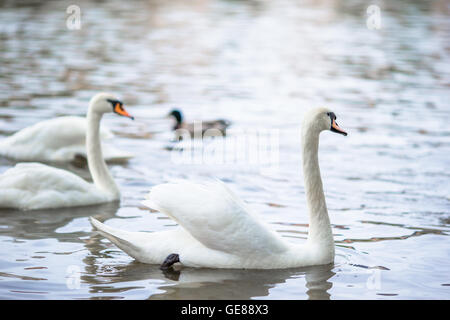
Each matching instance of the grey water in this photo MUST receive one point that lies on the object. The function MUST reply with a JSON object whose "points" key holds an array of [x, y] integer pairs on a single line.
{"points": [[261, 65]]}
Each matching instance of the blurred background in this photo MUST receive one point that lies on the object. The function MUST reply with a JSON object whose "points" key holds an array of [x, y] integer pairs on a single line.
{"points": [[384, 71]]}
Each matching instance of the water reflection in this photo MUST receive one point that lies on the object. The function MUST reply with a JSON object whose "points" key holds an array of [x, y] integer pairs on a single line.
{"points": [[191, 283], [43, 224], [317, 282]]}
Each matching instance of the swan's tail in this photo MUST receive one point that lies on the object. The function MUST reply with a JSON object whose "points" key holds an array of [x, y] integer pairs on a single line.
{"points": [[125, 240]]}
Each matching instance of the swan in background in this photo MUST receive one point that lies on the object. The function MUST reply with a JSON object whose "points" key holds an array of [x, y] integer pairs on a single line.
{"points": [[61, 139], [220, 125], [29, 186], [217, 230]]}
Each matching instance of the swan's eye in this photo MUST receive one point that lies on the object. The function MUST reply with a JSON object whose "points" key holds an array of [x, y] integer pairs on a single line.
{"points": [[115, 103], [119, 109]]}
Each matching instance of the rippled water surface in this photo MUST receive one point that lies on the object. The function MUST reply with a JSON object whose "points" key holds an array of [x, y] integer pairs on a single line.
{"points": [[260, 64]]}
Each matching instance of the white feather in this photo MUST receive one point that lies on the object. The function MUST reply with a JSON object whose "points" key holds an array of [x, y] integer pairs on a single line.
{"points": [[56, 140], [216, 217], [29, 186], [215, 230]]}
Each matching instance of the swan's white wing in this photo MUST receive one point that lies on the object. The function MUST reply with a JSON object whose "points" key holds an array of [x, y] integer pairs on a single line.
{"points": [[36, 186], [58, 139], [216, 217]]}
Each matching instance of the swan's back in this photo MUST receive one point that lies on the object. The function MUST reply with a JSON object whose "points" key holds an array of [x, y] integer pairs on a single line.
{"points": [[57, 139], [216, 217], [30, 186]]}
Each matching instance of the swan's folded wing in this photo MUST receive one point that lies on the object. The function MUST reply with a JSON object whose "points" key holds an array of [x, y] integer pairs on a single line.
{"points": [[216, 217], [31, 185], [56, 139]]}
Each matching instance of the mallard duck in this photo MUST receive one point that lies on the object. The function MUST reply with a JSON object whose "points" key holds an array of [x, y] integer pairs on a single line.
{"points": [[199, 126]]}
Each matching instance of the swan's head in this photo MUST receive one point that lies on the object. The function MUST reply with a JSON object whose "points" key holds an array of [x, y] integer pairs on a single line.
{"points": [[106, 102], [321, 119]]}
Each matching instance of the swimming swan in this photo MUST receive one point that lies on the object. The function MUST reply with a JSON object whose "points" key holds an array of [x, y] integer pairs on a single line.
{"points": [[38, 143], [29, 186], [217, 230]]}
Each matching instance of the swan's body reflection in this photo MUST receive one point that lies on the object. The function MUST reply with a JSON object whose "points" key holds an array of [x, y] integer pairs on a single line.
{"points": [[193, 283], [245, 284]]}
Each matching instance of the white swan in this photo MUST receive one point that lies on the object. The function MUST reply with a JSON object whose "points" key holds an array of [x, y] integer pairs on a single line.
{"points": [[217, 230], [38, 142], [30, 186]]}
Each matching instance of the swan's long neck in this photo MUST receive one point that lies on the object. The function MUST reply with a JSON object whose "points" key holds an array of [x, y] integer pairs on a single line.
{"points": [[320, 232], [97, 166]]}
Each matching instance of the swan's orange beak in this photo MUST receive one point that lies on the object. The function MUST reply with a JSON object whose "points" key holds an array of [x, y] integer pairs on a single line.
{"points": [[118, 108], [336, 128]]}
